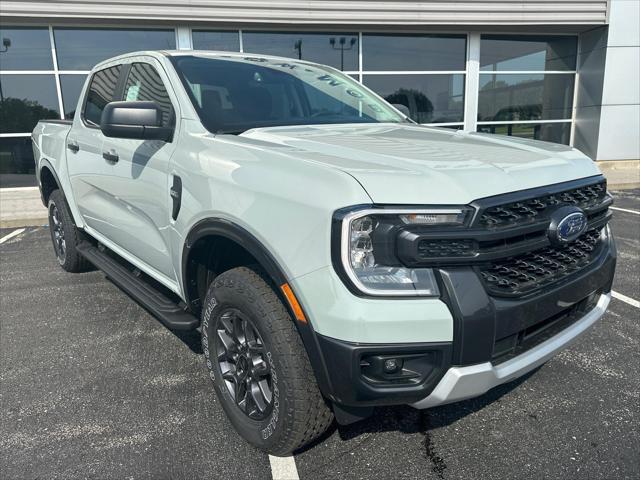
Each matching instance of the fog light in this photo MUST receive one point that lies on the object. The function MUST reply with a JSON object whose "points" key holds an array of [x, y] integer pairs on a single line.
{"points": [[392, 365]]}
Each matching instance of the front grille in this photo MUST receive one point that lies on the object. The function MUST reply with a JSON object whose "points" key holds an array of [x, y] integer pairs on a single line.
{"points": [[539, 208], [445, 248], [528, 272]]}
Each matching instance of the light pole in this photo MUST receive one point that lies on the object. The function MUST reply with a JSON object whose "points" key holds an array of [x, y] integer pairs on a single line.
{"points": [[342, 46], [298, 46], [6, 43]]}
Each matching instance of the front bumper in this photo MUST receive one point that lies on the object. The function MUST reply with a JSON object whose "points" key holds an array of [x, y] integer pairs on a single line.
{"points": [[460, 383], [495, 340]]}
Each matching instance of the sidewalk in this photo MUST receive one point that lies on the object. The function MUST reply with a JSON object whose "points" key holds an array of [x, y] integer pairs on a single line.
{"points": [[21, 207]]}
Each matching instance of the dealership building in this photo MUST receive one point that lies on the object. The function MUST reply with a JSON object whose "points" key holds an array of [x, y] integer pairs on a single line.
{"points": [[563, 71]]}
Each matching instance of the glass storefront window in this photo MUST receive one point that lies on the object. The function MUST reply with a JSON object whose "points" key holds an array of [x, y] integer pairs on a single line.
{"points": [[527, 52], [17, 167], [83, 48], [25, 49], [25, 99], [430, 98], [525, 97], [339, 50], [413, 52], [216, 40], [71, 86], [549, 132]]}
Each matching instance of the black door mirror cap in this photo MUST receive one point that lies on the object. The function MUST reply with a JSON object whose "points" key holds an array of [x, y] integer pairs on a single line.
{"points": [[139, 120]]}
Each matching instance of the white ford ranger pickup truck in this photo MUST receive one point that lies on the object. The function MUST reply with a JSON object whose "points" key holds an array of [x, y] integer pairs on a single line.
{"points": [[335, 255]]}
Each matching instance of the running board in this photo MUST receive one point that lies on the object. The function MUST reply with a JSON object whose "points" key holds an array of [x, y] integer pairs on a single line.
{"points": [[171, 314]]}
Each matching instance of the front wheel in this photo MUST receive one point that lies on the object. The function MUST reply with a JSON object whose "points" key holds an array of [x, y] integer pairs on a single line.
{"points": [[258, 364]]}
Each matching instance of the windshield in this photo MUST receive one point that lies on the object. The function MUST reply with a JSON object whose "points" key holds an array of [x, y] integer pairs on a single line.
{"points": [[233, 94]]}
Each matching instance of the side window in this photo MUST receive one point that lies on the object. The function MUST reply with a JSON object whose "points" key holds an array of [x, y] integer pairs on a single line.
{"points": [[101, 90], [144, 84]]}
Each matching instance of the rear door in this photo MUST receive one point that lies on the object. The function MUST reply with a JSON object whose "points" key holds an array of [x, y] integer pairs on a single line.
{"points": [[140, 213], [90, 175]]}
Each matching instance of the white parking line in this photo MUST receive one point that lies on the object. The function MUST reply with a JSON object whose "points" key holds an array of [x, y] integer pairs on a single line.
{"points": [[625, 210], [283, 468], [625, 299], [11, 235]]}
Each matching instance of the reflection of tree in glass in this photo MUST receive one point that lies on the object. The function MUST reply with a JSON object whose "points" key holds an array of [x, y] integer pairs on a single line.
{"points": [[417, 102], [22, 115]]}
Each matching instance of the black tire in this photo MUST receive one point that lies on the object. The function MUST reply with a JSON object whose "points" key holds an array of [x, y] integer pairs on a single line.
{"points": [[65, 235], [241, 300]]}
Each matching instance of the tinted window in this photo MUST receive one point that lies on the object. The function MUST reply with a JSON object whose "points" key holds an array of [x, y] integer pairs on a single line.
{"points": [[549, 132], [82, 49], [71, 86], [413, 52], [339, 50], [429, 98], [101, 90], [25, 100], [144, 84], [525, 97], [17, 167], [25, 49], [209, 40], [517, 53], [236, 94]]}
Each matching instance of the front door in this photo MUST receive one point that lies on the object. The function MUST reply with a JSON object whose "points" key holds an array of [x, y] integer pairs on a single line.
{"points": [[141, 213]]}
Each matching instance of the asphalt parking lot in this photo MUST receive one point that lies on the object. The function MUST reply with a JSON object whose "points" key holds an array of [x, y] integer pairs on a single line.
{"points": [[92, 386]]}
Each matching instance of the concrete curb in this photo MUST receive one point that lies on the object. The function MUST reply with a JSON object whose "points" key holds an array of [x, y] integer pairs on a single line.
{"points": [[24, 222]]}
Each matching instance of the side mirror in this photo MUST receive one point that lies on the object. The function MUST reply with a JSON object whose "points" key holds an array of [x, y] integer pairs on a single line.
{"points": [[141, 120], [403, 108]]}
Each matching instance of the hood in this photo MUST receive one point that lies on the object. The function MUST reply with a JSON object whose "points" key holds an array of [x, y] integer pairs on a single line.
{"points": [[412, 164]]}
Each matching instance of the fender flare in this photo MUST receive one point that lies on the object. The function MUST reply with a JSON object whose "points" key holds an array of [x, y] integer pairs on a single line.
{"points": [[231, 231], [41, 165]]}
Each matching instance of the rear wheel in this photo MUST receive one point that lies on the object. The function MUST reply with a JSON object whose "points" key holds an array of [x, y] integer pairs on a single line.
{"points": [[65, 235], [258, 364]]}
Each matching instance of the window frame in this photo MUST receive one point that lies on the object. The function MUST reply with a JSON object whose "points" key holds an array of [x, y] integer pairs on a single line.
{"points": [[479, 72]]}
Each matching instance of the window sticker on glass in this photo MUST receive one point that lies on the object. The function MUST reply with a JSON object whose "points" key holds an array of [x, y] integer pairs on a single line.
{"points": [[132, 93]]}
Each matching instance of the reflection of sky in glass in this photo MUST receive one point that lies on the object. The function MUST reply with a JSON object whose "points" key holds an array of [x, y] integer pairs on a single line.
{"points": [[527, 52], [30, 49], [509, 80], [314, 47], [520, 63], [209, 40], [71, 85], [81, 49]]}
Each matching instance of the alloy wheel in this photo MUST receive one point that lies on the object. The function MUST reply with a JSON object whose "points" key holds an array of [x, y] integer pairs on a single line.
{"points": [[243, 363], [57, 230]]}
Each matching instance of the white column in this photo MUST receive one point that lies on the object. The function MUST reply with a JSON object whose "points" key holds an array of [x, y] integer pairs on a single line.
{"points": [[54, 58], [472, 82], [183, 38]]}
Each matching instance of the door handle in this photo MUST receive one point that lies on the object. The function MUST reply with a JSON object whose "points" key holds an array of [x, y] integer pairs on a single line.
{"points": [[73, 146], [111, 156]]}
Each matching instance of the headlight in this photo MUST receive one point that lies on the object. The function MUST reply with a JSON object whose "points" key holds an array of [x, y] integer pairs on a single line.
{"points": [[367, 248]]}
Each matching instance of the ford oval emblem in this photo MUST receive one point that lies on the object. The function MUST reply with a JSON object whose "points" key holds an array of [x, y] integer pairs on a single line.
{"points": [[567, 224]]}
